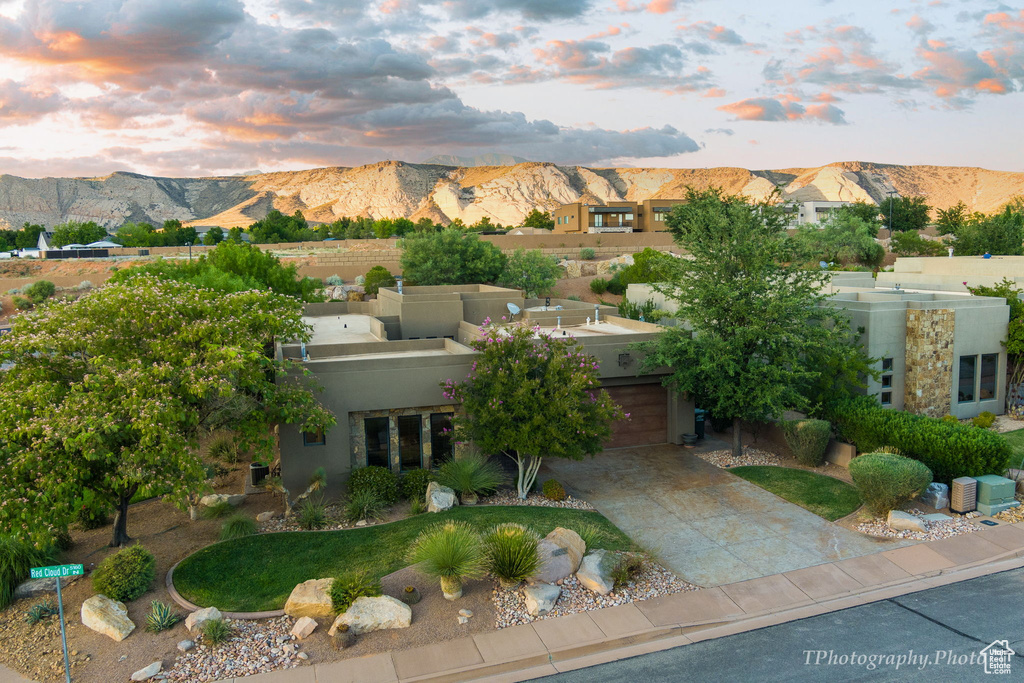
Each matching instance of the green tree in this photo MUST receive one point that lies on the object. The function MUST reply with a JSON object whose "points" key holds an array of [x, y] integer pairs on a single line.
{"points": [[539, 219], [235, 235], [531, 271], [109, 393], [75, 232], [842, 238], [952, 219], [213, 236], [137, 235], [650, 265], [1002, 233], [911, 243], [378, 277], [865, 211], [450, 257], [753, 316], [517, 370], [1014, 343], [28, 236], [904, 213], [178, 235]]}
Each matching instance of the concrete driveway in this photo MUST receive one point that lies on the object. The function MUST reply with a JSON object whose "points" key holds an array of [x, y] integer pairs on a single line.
{"points": [[708, 526]]}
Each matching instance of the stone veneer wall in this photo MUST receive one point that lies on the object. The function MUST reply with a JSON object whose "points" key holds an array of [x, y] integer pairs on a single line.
{"points": [[928, 382], [357, 434]]}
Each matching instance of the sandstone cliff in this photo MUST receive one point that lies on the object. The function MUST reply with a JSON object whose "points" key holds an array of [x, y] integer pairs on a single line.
{"points": [[505, 194]]}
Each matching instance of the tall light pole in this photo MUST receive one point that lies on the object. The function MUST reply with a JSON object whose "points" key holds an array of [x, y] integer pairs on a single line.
{"points": [[189, 245]]}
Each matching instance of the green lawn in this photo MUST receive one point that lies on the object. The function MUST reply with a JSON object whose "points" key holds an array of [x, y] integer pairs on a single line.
{"points": [[1016, 439], [824, 496], [257, 573]]}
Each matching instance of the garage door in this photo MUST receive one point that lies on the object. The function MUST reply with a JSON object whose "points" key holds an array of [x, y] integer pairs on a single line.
{"points": [[647, 405]]}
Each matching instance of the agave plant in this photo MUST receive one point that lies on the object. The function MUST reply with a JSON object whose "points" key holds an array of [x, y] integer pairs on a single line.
{"points": [[160, 617], [453, 552], [512, 553]]}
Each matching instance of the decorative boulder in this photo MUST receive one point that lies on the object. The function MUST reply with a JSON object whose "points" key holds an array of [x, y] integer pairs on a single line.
{"points": [[936, 495], [185, 645], [107, 616], [201, 616], [439, 498], [572, 542], [541, 598], [147, 673], [216, 498], [555, 563], [310, 599], [903, 521], [266, 516], [374, 614], [595, 571], [34, 588], [304, 627]]}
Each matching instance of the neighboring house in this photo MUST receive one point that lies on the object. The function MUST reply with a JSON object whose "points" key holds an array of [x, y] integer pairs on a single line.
{"points": [[940, 353], [646, 216], [812, 213], [954, 274], [381, 364]]}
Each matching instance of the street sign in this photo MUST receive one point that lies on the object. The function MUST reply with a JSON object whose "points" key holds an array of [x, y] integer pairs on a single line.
{"points": [[61, 570]]}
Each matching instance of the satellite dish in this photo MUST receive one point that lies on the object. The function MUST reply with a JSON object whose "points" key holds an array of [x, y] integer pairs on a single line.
{"points": [[512, 309]]}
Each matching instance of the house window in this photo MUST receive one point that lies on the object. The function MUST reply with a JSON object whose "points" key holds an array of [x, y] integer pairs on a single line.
{"points": [[316, 438], [378, 443], [659, 217], [887, 365], [598, 220], [887, 381], [989, 370], [886, 398], [968, 375], [440, 438], [410, 432]]}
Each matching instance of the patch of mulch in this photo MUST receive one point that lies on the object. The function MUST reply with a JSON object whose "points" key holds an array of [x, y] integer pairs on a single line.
{"points": [[955, 526], [653, 581]]}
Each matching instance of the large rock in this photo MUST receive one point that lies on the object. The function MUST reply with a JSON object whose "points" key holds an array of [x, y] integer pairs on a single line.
{"points": [[304, 627], [936, 495], [439, 497], [147, 673], [201, 616], [595, 571], [555, 563], [541, 598], [266, 516], [233, 499], [904, 521], [107, 616], [310, 599], [572, 542], [34, 588], [374, 614]]}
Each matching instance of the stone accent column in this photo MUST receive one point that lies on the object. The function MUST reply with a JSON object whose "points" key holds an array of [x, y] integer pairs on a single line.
{"points": [[928, 374], [396, 459], [426, 447]]}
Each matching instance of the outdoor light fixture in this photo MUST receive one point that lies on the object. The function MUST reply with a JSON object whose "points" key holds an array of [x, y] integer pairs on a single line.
{"points": [[189, 245], [624, 360]]}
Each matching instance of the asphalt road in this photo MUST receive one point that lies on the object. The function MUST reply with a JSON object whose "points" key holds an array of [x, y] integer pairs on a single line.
{"points": [[935, 635]]}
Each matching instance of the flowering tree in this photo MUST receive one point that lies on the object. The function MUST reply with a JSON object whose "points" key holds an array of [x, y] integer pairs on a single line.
{"points": [[531, 395], [109, 393]]}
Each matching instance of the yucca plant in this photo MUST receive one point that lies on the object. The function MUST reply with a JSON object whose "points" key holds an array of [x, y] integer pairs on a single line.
{"points": [[472, 475], [511, 553], [237, 526], [312, 514], [216, 631], [223, 447], [363, 504], [453, 552], [160, 617]]}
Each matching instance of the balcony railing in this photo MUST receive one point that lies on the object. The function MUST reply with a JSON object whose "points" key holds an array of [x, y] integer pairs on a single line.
{"points": [[610, 228]]}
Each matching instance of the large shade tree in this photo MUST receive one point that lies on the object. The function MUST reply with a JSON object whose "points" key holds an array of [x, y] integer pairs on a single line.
{"points": [[754, 338], [450, 257], [110, 393], [532, 395]]}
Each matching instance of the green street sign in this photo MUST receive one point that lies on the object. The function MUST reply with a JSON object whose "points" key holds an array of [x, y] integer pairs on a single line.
{"points": [[58, 571]]}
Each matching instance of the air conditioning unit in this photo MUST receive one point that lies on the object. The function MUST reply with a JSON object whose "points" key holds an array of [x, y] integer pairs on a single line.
{"points": [[964, 496]]}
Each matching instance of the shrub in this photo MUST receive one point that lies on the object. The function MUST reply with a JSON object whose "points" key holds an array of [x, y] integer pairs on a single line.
{"points": [[593, 535], [351, 585], [948, 450], [599, 285], [160, 617], [216, 631], [378, 277], [573, 297], [335, 281], [616, 285], [92, 514], [984, 420], [312, 514], [808, 440], [237, 526], [126, 574], [223, 447], [587, 254], [21, 303], [886, 480], [951, 419], [648, 310], [627, 569], [414, 483], [218, 510], [16, 559], [380, 480], [41, 610], [471, 474], [553, 490], [364, 504], [84, 285], [418, 507], [451, 551], [512, 555], [40, 291]]}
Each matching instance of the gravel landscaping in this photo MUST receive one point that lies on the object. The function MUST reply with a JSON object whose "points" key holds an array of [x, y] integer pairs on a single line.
{"points": [[254, 647], [652, 582], [510, 497], [751, 456], [1013, 515], [957, 525]]}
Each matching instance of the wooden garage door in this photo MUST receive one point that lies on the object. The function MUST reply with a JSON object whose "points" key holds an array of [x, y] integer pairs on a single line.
{"points": [[647, 405]]}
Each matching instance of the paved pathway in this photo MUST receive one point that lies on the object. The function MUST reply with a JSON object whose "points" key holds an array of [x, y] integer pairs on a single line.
{"points": [[710, 527]]}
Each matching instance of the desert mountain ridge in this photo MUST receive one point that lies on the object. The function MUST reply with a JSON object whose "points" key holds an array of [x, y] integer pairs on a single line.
{"points": [[505, 194]]}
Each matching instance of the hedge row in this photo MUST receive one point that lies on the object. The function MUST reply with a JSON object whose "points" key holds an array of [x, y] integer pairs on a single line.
{"points": [[949, 450]]}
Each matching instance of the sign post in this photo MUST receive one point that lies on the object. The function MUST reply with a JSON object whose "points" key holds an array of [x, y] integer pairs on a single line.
{"points": [[57, 572]]}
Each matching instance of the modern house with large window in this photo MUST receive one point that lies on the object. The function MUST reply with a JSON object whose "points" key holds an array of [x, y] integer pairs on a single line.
{"points": [[646, 216], [381, 363]]}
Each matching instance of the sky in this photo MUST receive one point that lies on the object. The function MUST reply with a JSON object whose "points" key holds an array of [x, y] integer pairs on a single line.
{"points": [[219, 87]]}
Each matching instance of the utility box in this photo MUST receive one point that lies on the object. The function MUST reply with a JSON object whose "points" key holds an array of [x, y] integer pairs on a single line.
{"points": [[963, 498], [995, 494]]}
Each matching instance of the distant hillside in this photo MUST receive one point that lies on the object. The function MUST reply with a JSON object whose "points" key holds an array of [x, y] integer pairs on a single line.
{"points": [[491, 159], [505, 194]]}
